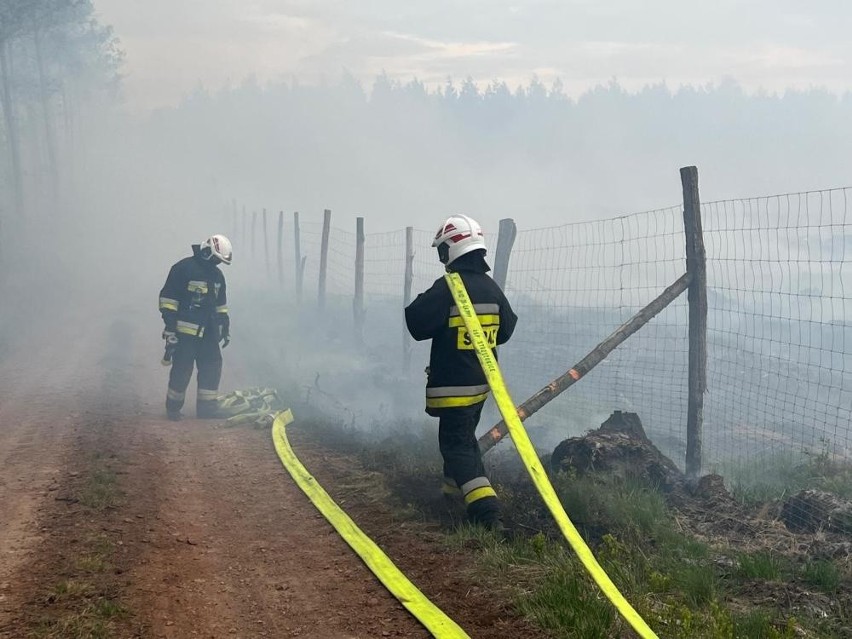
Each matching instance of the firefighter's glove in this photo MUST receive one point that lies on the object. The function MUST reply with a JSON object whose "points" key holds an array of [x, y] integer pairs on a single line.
{"points": [[171, 345], [225, 338]]}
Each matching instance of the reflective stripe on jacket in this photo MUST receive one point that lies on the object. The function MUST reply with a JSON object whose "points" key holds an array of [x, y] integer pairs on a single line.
{"points": [[194, 297], [455, 376]]}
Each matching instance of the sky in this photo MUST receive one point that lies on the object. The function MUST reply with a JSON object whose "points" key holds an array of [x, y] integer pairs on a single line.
{"points": [[175, 46]]}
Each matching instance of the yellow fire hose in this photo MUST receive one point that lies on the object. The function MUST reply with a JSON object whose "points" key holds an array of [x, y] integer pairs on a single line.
{"points": [[531, 460], [432, 617]]}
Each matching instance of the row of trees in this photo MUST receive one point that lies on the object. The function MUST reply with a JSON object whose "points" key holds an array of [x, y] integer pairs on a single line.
{"points": [[56, 59], [402, 151]]}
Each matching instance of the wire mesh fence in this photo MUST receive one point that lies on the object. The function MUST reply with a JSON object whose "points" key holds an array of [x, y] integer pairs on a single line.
{"points": [[779, 321], [779, 326], [572, 286]]}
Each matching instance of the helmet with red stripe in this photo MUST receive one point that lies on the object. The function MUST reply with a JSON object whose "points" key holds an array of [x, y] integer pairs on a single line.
{"points": [[217, 247], [458, 235]]}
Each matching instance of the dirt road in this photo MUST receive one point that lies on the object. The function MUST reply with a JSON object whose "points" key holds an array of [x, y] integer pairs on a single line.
{"points": [[116, 521]]}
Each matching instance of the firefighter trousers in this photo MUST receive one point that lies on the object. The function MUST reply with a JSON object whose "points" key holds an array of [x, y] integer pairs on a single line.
{"points": [[205, 353], [463, 468]]}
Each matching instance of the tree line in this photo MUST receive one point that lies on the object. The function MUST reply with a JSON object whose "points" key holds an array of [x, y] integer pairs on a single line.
{"points": [[56, 60]]}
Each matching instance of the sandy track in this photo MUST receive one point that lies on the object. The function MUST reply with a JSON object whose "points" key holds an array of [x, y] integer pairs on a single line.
{"points": [[209, 536]]}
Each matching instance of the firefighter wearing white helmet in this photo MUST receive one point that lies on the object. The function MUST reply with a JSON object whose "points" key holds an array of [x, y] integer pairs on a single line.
{"points": [[194, 307], [456, 387], [458, 236]]}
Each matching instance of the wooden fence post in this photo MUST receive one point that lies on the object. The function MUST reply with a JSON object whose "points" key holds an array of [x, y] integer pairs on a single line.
{"points": [[244, 238], [358, 304], [406, 295], [696, 268], [300, 263], [323, 272], [265, 244], [280, 254], [253, 228], [236, 221], [505, 241]]}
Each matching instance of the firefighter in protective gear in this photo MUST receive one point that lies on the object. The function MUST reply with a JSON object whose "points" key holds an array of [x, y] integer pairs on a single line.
{"points": [[194, 306], [456, 387]]}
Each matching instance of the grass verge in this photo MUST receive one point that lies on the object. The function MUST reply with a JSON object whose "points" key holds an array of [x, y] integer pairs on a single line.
{"points": [[685, 587], [84, 602]]}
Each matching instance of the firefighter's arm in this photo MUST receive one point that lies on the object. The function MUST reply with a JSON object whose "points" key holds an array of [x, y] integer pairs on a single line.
{"points": [[428, 313], [170, 298], [222, 315], [508, 320]]}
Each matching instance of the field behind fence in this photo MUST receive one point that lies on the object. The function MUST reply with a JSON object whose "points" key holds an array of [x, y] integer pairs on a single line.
{"points": [[779, 316]]}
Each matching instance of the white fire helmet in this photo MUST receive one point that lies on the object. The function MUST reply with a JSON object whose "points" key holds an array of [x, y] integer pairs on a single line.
{"points": [[217, 246], [458, 235]]}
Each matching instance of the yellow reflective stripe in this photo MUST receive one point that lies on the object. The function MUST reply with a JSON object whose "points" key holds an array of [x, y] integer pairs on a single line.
{"points": [[533, 464], [197, 286], [188, 328], [485, 320], [452, 402], [167, 304], [479, 493], [221, 309], [432, 617]]}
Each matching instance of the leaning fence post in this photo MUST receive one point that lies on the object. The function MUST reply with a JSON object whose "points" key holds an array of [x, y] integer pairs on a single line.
{"points": [[406, 295], [280, 256], [300, 264], [505, 241], [323, 273], [358, 304], [696, 268]]}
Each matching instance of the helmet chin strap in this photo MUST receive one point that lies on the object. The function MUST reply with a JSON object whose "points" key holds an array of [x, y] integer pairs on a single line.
{"points": [[444, 253]]}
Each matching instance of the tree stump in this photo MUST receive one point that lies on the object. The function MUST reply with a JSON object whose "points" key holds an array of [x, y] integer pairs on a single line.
{"points": [[621, 448]]}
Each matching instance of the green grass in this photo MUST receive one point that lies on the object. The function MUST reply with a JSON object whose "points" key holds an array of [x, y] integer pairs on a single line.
{"points": [[684, 587], [779, 475], [823, 574], [566, 604], [77, 607], [92, 564], [92, 621], [759, 624], [760, 565], [671, 579], [71, 589], [100, 490]]}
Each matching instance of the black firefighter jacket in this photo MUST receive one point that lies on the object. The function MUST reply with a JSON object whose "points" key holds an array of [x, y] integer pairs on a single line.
{"points": [[193, 298], [455, 377]]}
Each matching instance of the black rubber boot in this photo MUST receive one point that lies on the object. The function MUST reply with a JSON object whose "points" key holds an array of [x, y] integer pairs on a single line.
{"points": [[174, 415], [207, 410]]}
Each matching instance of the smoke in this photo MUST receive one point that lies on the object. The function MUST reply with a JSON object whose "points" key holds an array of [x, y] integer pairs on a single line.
{"points": [[139, 188]]}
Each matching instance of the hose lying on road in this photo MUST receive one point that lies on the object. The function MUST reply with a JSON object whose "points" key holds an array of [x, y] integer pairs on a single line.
{"points": [[434, 620]]}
